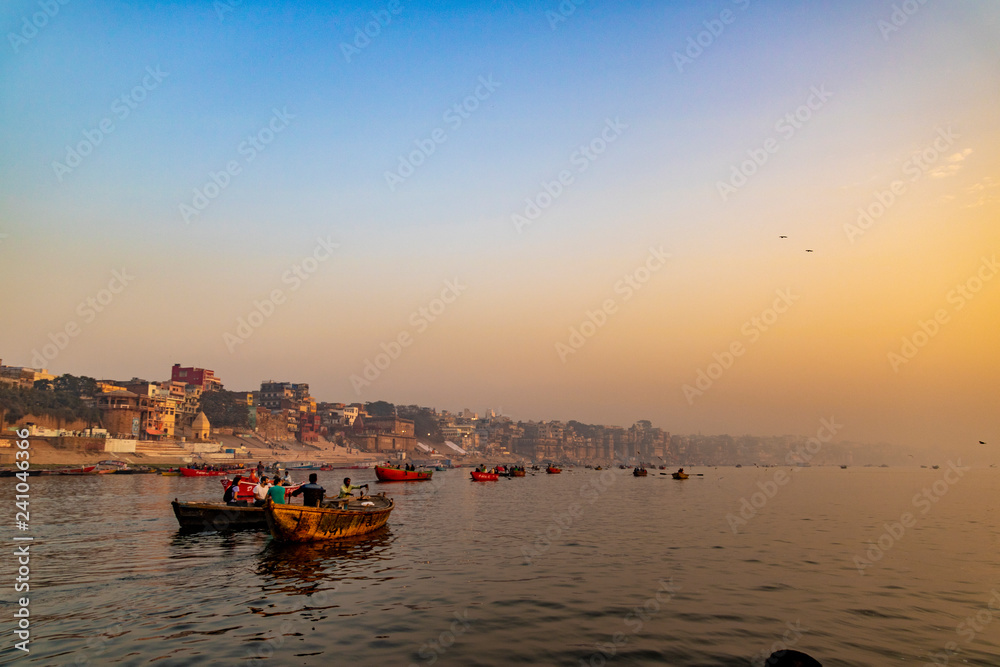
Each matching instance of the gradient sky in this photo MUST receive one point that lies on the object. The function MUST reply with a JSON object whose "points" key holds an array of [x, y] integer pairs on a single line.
{"points": [[681, 131]]}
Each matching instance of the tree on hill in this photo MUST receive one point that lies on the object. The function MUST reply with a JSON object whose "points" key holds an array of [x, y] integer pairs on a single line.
{"points": [[380, 409], [226, 408]]}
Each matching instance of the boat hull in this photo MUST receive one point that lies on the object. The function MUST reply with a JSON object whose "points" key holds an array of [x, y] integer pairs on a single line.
{"points": [[517, 473], [640, 473], [396, 475], [484, 476], [553, 471], [680, 475], [191, 472], [197, 517], [298, 523]]}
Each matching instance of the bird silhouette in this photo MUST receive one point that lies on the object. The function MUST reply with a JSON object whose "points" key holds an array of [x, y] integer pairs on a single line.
{"points": [[981, 442], [808, 250], [782, 237]]}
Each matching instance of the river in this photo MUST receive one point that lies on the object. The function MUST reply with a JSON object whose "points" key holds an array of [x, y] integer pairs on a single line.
{"points": [[854, 567]]}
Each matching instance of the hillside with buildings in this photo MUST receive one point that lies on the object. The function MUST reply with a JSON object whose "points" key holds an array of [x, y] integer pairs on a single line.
{"points": [[192, 417]]}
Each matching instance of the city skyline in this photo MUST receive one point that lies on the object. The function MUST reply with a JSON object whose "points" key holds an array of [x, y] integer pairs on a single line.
{"points": [[571, 210]]}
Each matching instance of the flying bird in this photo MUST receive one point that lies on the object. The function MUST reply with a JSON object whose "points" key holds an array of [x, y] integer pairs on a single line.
{"points": [[981, 442], [808, 250], [782, 237]]}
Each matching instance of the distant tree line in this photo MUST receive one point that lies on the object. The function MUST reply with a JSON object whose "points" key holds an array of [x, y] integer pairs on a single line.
{"points": [[66, 399], [226, 409]]}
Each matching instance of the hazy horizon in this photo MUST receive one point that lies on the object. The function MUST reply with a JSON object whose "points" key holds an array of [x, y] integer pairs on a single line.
{"points": [[559, 215]]}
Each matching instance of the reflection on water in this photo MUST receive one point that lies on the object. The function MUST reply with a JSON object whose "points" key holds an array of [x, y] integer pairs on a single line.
{"points": [[447, 581], [300, 568]]}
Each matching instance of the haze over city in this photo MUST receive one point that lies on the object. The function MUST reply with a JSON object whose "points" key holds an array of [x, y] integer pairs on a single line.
{"points": [[733, 217]]}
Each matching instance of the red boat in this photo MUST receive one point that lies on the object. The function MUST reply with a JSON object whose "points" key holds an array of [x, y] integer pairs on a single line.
{"points": [[552, 470], [194, 472], [89, 470], [484, 476], [245, 491], [385, 474]]}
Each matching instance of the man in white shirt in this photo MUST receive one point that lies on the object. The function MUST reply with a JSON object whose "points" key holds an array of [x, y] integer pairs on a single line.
{"points": [[260, 492]]}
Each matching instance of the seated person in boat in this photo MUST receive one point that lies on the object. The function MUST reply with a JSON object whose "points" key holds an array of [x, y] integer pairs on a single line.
{"points": [[312, 493], [345, 490], [260, 492], [276, 491], [229, 497]]}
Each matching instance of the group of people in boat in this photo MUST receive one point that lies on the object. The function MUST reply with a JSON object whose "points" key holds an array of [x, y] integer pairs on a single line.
{"points": [[407, 467], [312, 493]]}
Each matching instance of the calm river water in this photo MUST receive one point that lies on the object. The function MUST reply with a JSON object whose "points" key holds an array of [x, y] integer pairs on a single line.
{"points": [[583, 568]]}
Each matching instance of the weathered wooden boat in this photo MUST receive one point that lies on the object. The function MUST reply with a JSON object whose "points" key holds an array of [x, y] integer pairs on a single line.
{"points": [[517, 473], [386, 474], [218, 516], [335, 519], [484, 476], [680, 475], [552, 470], [640, 472]]}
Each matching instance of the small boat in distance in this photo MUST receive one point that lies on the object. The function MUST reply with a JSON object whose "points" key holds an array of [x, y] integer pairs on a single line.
{"points": [[679, 475], [484, 476], [86, 470], [386, 474], [639, 472], [195, 472], [552, 470], [335, 519]]}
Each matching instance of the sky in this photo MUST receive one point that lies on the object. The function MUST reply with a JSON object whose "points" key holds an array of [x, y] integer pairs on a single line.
{"points": [[579, 210]]}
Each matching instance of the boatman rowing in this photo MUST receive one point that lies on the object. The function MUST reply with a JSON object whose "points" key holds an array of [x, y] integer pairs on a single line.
{"points": [[345, 490]]}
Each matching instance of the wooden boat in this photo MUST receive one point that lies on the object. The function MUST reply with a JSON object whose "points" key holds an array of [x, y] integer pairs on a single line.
{"points": [[440, 468], [639, 472], [517, 473], [86, 470], [386, 474], [680, 475], [598, 468], [170, 473], [193, 472], [218, 516], [484, 476], [334, 520], [552, 470]]}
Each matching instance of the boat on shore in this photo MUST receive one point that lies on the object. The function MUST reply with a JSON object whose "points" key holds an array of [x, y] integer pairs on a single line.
{"points": [[552, 470], [386, 474], [484, 476], [333, 520], [197, 517]]}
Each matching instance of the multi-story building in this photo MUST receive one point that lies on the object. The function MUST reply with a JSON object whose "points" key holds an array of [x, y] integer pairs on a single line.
{"points": [[200, 377]]}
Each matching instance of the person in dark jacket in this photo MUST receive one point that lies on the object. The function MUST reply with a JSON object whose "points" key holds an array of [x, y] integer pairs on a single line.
{"points": [[312, 493]]}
